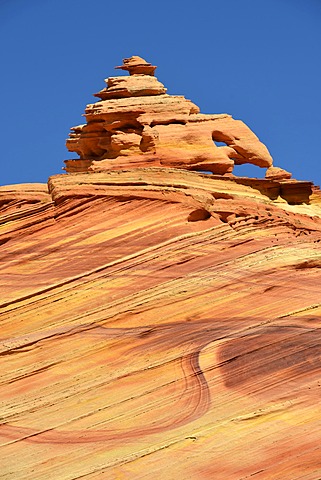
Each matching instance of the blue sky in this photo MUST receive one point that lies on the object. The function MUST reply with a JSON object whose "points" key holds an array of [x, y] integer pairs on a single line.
{"points": [[258, 60]]}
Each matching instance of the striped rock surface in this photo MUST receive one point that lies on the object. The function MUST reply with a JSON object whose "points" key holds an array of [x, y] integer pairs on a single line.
{"points": [[158, 323]]}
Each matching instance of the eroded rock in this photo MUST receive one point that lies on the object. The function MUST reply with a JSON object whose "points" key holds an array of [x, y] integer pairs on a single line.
{"points": [[136, 123], [276, 173], [124, 293], [158, 322]]}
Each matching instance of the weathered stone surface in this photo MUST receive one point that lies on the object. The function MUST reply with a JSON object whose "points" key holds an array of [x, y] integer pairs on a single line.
{"points": [[160, 323], [277, 173], [137, 65], [133, 86], [136, 124], [23, 209]]}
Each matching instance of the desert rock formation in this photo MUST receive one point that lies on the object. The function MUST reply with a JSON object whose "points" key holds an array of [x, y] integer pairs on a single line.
{"points": [[158, 322], [137, 124]]}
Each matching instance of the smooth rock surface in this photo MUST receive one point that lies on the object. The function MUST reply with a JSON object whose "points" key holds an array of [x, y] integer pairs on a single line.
{"points": [[160, 323]]}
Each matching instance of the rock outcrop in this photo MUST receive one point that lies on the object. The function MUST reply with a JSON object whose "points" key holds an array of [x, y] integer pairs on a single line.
{"points": [[137, 124], [158, 322], [277, 173]]}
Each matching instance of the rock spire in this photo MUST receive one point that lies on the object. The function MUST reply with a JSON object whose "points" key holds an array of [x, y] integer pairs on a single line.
{"points": [[137, 124]]}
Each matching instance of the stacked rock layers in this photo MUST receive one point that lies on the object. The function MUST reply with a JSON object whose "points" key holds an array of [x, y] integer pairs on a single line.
{"points": [[137, 124]]}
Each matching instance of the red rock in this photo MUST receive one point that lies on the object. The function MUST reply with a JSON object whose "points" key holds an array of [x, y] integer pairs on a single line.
{"points": [[137, 124], [133, 86], [136, 65], [158, 322], [277, 173]]}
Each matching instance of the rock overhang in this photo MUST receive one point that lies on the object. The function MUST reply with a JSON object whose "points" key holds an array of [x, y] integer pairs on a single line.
{"points": [[136, 124]]}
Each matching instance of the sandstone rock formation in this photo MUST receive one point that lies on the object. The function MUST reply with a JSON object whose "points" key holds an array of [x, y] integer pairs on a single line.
{"points": [[137, 124], [277, 173], [158, 322]]}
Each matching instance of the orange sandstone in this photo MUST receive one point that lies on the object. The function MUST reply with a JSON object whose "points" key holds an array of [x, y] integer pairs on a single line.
{"points": [[137, 123], [157, 322]]}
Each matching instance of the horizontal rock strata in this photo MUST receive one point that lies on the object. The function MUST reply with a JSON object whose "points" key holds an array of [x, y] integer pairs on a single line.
{"points": [[160, 323], [136, 123]]}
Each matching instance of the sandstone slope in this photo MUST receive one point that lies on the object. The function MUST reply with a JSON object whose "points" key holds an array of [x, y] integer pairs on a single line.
{"points": [[158, 322]]}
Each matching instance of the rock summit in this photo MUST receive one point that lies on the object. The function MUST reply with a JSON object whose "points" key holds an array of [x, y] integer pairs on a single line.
{"points": [[137, 124]]}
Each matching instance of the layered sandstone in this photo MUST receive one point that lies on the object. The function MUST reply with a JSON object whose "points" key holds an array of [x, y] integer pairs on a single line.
{"points": [[157, 322], [136, 123]]}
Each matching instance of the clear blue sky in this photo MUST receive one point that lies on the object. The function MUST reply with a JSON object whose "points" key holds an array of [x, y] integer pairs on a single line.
{"points": [[259, 60]]}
